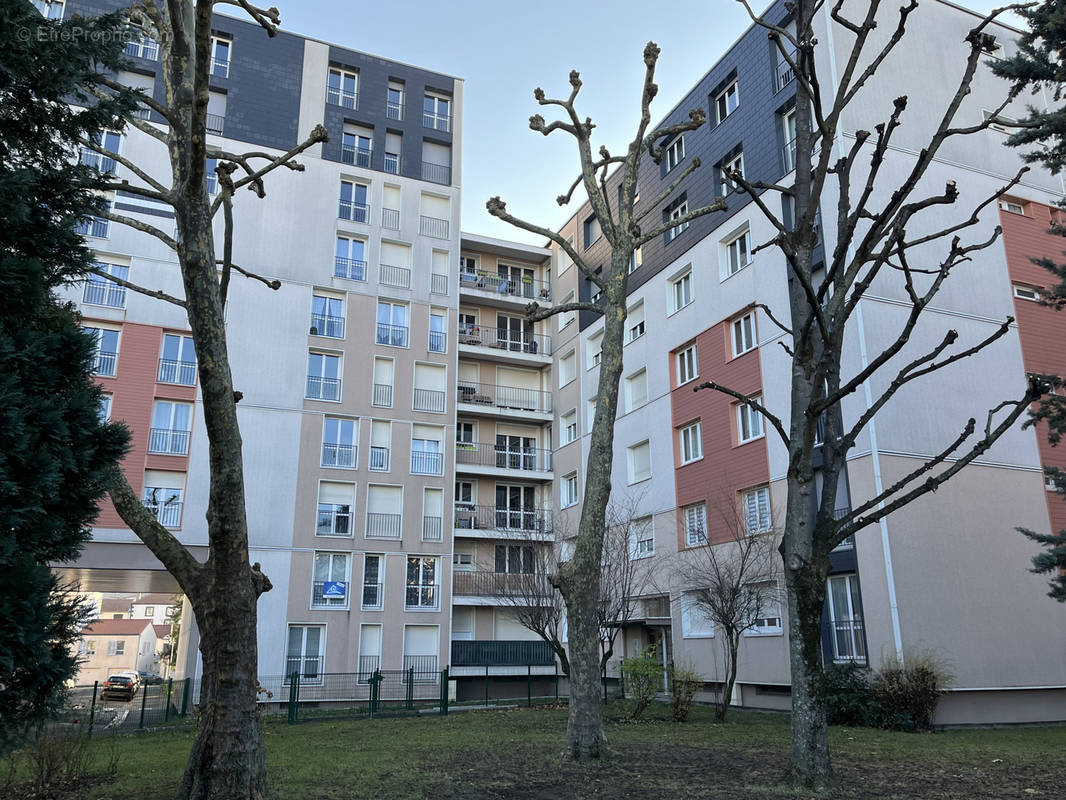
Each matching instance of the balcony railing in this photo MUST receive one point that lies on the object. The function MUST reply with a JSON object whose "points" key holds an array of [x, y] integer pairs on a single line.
{"points": [[438, 342], [220, 67], [146, 48], [94, 227], [105, 294], [429, 400], [424, 668], [788, 156], [319, 388], [504, 339], [215, 123], [502, 653], [359, 156], [349, 268], [309, 668], [433, 226], [383, 526], [483, 583], [436, 173], [168, 441], [182, 373], [392, 163], [105, 363], [333, 523], [521, 459], [390, 218], [394, 110], [528, 289], [424, 596], [142, 112], [427, 463], [382, 396], [655, 607], [438, 284], [319, 599], [849, 542], [372, 596], [848, 644], [167, 513], [379, 459], [784, 74], [432, 529], [490, 518], [392, 335], [510, 397], [339, 97], [344, 456], [389, 275], [325, 325], [352, 211], [438, 122], [105, 165]]}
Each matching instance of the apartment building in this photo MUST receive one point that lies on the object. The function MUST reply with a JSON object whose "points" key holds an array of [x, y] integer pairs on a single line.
{"points": [[947, 574], [346, 371]]}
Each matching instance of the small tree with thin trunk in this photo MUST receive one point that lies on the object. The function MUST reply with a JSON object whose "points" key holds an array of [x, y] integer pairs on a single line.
{"points": [[227, 759], [579, 579]]}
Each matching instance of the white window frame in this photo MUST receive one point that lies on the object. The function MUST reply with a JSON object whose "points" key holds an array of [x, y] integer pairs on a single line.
{"points": [[568, 490], [734, 249], [635, 331], [691, 613], [570, 359], [631, 453], [631, 402], [675, 153], [220, 69], [721, 101], [691, 440], [568, 431], [1023, 292], [328, 605], [322, 375], [735, 164], [757, 500], [1013, 207], [677, 213], [116, 647], [681, 291], [684, 368], [768, 624], [642, 538], [363, 605], [744, 336], [320, 658], [695, 518], [340, 92], [748, 417], [854, 621]]}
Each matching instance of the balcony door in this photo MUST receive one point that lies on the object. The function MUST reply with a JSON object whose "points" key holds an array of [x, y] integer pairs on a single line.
{"points": [[513, 333], [515, 452], [515, 509], [515, 280]]}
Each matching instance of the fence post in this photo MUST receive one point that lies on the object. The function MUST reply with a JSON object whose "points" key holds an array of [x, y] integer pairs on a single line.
{"points": [[292, 696], [410, 688], [144, 701], [92, 708], [444, 692], [375, 691], [170, 692], [486, 686]]}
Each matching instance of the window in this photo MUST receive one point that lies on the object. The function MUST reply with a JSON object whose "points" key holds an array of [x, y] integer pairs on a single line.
{"points": [[329, 582], [757, 510], [178, 361], [695, 624], [323, 377], [355, 146], [592, 231], [691, 443], [687, 365], [463, 562], [373, 585], [636, 389], [569, 427], [380, 444], [140, 45], [169, 433], [635, 322], [220, 56], [304, 653], [680, 292], [468, 267], [340, 442], [430, 388], [743, 334], [737, 253], [590, 415], [1026, 292], [569, 316], [342, 88], [567, 368], [116, 647], [676, 213], [384, 517], [695, 524], [393, 149], [210, 176], [749, 421], [105, 140], [764, 602], [327, 316], [788, 133], [675, 153], [100, 291], [392, 324], [638, 458], [216, 112], [50, 9], [594, 350], [438, 331], [335, 502], [90, 647], [163, 502], [105, 360], [95, 227], [727, 168], [1012, 206], [568, 490], [845, 618], [426, 450], [105, 408], [353, 202], [149, 611], [394, 100], [350, 260], [641, 538], [437, 113], [726, 102], [514, 560], [422, 589], [636, 258]]}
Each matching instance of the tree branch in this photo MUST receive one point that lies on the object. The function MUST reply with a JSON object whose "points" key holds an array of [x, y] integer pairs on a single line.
{"points": [[144, 227], [756, 406], [535, 313], [157, 294], [684, 219]]}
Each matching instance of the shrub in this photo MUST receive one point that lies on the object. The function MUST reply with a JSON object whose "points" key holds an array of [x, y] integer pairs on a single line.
{"points": [[684, 683], [643, 676], [849, 699], [908, 693]]}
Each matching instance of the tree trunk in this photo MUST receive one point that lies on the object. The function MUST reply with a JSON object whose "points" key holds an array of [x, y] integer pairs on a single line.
{"points": [[585, 738], [732, 646]]}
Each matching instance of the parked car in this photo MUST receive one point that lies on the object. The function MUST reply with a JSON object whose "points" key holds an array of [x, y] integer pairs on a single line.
{"points": [[121, 685], [150, 678]]}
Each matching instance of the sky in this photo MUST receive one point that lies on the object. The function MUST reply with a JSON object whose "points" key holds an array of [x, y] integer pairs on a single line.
{"points": [[503, 51]]}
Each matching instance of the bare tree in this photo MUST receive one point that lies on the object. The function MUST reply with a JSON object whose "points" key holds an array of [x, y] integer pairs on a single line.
{"points": [[227, 759], [881, 232], [733, 581], [579, 578]]}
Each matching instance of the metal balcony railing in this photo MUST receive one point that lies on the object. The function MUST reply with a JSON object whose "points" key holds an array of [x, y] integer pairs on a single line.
{"points": [[146, 48], [438, 284], [438, 122], [101, 163], [182, 373], [525, 288], [432, 529], [422, 595], [848, 644], [220, 67], [94, 227], [433, 226], [436, 173], [427, 463], [784, 74], [399, 277], [319, 388], [482, 583], [352, 211], [390, 218], [394, 110], [382, 395], [309, 668], [105, 363], [167, 513], [319, 600], [168, 441], [340, 97], [392, 335], [142, 112], [521, 459], [372, 596], [424, 667], [349, 268], [359, 156], [325, 325], [848, 543], [215, 123], [368, 665], [104, 293], [344, 456], [490, 518], [504, 339], [438, 342], [502, 653], [392, 163], [429, 400], [383, 526], [513, 398], [333, 523], [379, 459]]}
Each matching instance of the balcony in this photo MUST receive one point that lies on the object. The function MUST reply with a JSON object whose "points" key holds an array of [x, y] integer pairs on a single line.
{"points": [[104, 363], [503, 340], [372, 596], [340, 456], [93, 227], [510, 398], [390, 218], [784, 74], [215, 123], [381, 395], [424, 667], [146, 48], [502, 653], [432, 529], [319, 599], [220, 67], [423, 463], [349, 268], [437, 173], [105, 165], [319, 388], [383, 526], [333, 523], [421, 596], [438, 284], [433, 226], [438, 122], [392, 335], [398, 277], [182, 373], [498, 456], [103, 292], [394, 110], [438, 342], [353, 212], [357, 156], [167, 441], [340, 97], [379, 459], [325, 325], [392, 163], [500, 584], [523, 522], [429, 400], [526, 289], [168, 513], [652, 609]]}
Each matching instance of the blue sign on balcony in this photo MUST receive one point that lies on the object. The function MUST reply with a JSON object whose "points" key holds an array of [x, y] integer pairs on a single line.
{"points": [[334, 590]]}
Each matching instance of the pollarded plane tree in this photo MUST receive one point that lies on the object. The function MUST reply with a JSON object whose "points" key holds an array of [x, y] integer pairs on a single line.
{"points": [[579, 580], [227, 758], [881, 215]]}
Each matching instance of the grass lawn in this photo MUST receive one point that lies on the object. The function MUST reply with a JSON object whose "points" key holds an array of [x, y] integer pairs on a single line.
{"points": [[514, 754]]}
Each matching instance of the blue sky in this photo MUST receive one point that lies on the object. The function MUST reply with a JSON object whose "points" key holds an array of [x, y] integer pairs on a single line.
{"points": [[504, 50]]}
